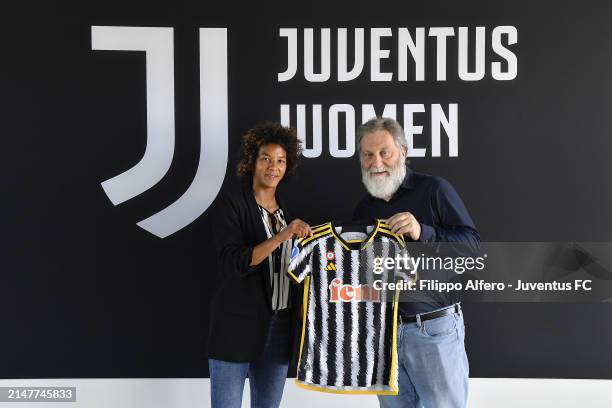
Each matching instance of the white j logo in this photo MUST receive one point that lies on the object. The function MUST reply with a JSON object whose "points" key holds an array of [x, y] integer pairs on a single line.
{"points": [[157, 42]]}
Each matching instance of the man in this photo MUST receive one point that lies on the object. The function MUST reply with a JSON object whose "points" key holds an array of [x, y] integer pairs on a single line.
{"points": [[433, 366]]}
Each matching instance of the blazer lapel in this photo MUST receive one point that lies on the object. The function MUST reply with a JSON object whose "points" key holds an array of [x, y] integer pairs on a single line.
{"points": [[260, 236], [281, 204]]}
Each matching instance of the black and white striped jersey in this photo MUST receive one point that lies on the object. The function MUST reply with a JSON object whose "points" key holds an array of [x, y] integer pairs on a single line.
{"points": [[349, 331]]}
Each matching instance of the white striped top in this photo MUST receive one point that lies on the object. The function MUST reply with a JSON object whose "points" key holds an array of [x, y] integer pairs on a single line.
{"points": [[279, 259]]}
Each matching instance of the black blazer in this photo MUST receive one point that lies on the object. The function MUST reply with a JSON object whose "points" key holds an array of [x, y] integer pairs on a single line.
{"points": [[241, 301]]}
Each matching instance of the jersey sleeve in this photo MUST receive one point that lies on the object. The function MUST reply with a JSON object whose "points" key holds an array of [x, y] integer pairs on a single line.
{"points": [[300, 263]]}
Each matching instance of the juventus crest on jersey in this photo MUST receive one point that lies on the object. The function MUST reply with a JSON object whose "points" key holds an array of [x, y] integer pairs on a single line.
{"points": [[349, 333]]}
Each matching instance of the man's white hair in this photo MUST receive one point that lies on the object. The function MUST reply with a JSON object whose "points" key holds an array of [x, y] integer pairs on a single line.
{"points": [[383, 188], [380, 123]]}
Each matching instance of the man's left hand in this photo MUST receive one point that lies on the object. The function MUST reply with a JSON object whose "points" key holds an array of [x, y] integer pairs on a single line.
{"points": [[405, 223]]}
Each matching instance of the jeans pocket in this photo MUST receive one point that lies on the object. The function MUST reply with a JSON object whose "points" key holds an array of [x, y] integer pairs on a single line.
{"points": [[441, 327]]}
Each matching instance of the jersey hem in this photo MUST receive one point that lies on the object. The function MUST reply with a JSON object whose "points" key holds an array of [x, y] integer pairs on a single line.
{"points": [[321, 388]]}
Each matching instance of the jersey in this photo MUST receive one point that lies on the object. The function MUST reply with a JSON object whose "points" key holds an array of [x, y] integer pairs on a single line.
{"points": [[349, 328]]}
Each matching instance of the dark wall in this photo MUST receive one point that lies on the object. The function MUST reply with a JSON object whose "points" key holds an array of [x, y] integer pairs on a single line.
{"points": [[85, 292]]}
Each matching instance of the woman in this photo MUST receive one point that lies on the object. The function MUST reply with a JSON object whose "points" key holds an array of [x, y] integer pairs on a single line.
{"points": [[254, 308]]}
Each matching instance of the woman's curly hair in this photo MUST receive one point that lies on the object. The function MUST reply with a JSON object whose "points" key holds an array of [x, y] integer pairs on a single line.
{"points": [[263, 134]]}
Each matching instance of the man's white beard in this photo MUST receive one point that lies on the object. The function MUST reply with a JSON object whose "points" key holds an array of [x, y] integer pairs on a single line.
{"points": [[384, 186]]}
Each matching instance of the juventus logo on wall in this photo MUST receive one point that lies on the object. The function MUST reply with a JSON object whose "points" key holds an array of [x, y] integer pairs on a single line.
{"points": [[158, 44]]}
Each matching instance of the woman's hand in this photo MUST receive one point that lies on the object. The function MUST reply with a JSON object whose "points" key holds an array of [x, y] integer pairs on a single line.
{"points": [[296, 229]]}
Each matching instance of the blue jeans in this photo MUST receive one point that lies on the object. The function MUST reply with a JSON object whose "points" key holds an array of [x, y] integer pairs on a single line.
{"points": [[267, 374], [433, 367]]}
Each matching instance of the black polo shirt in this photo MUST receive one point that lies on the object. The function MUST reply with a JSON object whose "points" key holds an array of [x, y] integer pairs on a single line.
{"points": [[443, 218]]}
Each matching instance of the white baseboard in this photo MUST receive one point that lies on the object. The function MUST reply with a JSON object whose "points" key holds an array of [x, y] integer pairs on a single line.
{"points": [[195, 393]]}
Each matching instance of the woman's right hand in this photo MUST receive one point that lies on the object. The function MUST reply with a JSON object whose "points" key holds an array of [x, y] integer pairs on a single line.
{"points": [[296, 229]]}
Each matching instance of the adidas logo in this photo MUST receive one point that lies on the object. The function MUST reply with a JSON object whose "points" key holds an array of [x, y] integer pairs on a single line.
{"points": [[330, 267]]}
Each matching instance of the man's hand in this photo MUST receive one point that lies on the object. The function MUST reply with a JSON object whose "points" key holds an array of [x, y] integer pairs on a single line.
{"points": [[405, 223], [296, 229]]}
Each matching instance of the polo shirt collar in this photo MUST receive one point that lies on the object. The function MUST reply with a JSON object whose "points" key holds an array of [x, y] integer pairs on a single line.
{"points": [[408, 182]]}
